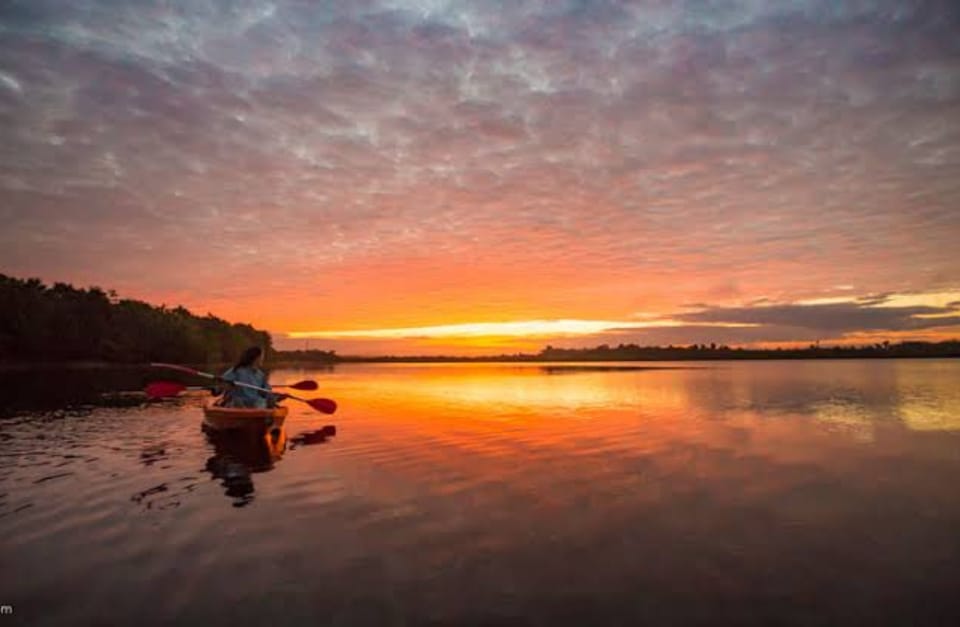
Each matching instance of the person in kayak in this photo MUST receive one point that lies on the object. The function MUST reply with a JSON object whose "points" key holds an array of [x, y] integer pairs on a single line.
{"points": [[248, 370]]}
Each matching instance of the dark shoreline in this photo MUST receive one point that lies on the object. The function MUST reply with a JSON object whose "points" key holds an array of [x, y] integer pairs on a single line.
{"points": [[454, 360], [634, 353], [280, 363]]}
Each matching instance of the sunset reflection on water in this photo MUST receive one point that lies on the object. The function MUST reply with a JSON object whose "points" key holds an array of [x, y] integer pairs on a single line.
{"points": [[520, 493]]}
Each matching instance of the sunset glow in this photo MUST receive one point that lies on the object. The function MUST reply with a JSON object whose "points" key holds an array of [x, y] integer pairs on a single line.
{"points": [[467, 177]]}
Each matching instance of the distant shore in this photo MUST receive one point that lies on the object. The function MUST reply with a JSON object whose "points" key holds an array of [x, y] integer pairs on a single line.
{"points": [[509, 360], [623, 353], [634, 353]]}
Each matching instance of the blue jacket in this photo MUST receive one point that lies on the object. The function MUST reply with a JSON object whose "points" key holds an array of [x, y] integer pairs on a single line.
{"points": [[237, 396]]}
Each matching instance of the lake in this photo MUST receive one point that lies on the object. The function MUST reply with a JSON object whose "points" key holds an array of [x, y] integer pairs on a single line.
{"points": [[789, 493]]}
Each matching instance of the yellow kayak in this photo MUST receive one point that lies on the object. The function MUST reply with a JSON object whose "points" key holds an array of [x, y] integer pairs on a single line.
{"points": [[218, 418]]}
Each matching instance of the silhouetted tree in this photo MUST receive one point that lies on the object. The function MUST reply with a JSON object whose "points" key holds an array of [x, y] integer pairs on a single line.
{"points": [[64, 323]]}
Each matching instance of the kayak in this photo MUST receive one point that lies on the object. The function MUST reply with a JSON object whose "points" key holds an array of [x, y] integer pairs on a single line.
{"points": [[217, 418]]}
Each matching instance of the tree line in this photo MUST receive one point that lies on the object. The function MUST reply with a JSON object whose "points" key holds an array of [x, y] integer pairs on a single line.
{"points": [[40, 323], [633, 352]]}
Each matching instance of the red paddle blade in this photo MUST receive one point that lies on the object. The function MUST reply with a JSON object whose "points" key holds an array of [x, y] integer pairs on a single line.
{"points": [[324, 405], [302, 385], [160, 389]]}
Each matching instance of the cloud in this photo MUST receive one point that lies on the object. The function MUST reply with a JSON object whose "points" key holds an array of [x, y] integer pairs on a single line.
{"points": [[621, 156], [834, 318]]}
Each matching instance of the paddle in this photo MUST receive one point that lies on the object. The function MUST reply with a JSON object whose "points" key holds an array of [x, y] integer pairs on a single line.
{"points": [[161, 389], [299, 385], [324, 405]]}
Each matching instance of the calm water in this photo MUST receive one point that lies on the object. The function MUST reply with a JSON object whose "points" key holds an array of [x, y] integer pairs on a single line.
{"points": [[797, 493]]}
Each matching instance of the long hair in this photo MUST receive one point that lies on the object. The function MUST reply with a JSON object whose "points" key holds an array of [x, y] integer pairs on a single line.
{"points": [[248, 357]]}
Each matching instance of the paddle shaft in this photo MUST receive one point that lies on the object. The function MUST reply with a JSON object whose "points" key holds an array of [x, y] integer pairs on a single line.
{"points": [[218, 378]]}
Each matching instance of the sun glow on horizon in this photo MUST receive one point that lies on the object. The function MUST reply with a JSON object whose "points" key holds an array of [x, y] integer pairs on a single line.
{"points": [[525, 328], [873, 318]]}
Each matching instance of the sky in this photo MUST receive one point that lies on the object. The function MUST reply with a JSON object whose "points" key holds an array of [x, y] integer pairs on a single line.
{"points": [[486, 177]]}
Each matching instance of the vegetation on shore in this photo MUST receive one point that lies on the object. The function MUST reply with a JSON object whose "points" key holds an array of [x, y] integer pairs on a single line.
{"points": [[633, 352], [62, 323]]}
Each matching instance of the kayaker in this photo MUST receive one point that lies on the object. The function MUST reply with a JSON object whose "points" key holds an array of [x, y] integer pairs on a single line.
{"points": [[248, 370]]}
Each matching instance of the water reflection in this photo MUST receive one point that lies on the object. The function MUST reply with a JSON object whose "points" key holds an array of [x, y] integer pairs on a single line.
{"points": [[153, 454], [731, 493], [580, 368], [930, 396], [44, 388], [79, 388], [310, 438], [239, 453], [852, 395]]}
